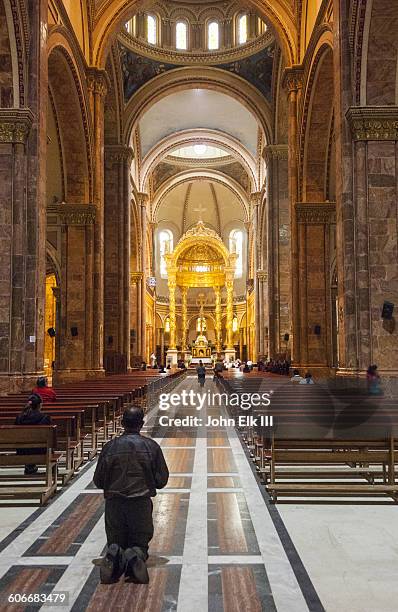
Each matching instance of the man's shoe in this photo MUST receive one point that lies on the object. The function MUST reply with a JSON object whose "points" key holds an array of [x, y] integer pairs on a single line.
{"points": [[136, 570], [112, 565]]}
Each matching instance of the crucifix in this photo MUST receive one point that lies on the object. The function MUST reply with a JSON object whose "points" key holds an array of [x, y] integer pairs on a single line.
{"points": [[200, 210]]}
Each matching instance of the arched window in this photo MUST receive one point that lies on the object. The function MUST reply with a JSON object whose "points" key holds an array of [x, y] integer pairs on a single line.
{"points": [[151, 27], [242, 29], [213, 35], [236, 246], [181, 35], [165, 246]]}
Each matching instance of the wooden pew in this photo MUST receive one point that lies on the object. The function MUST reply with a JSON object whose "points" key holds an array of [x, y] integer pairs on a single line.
{"points": [[13, 437]]}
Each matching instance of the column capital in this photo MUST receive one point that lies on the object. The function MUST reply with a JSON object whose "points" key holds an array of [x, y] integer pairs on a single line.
{"points": [[275, 151], [135, 277], [292, 78], [98, 81], [15, 124], [119, 152], [73, 214], [142, 199], [316, 212], [373, 122], [262, 275], [255, 198]]}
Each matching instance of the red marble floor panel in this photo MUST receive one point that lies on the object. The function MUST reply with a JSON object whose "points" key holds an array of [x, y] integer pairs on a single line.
{"points": [[169, 517], [179, 460], [220, 460], [231, 534], [238, 589], [68, 530], [20, 580]]}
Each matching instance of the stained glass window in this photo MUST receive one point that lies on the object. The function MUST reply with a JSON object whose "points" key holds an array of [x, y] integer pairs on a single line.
{"points": [[213, 35], [242, 29], [165, 246], [151, 29], [181, 35], [236, 246]]}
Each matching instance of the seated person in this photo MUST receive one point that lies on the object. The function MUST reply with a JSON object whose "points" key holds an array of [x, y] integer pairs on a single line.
{"points": [[161, 369], [296, 378], [246, 368], [44, 391], [32, 415], [307, 380], [143, 366]]}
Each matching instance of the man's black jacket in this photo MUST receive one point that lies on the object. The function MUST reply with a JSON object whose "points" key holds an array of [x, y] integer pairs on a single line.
{"points": [[131, 466]]}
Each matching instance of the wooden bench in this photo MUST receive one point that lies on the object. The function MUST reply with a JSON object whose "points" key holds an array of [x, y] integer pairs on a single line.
{"points": [[32, 437], [372, 460]]}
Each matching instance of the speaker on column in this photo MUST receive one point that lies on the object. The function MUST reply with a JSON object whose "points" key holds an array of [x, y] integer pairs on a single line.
{"points": [[387, 312], [74, 332], [286, 337], [51, 332], [317, 330]]}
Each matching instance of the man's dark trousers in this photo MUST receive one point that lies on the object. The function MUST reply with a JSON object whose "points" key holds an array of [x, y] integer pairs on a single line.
{"points": [[128, 522]]}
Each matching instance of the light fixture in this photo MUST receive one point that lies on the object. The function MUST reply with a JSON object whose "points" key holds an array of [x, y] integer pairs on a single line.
{"points": [[167, 326], [200, 149], [235, 324]]}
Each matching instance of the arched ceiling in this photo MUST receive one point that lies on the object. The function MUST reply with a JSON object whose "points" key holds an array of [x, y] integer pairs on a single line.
{"points": [[220, 206], [212, 110], [109, 17]]}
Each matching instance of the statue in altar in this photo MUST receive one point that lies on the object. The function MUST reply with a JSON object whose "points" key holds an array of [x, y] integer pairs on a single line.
{"points": [[200, 347]]}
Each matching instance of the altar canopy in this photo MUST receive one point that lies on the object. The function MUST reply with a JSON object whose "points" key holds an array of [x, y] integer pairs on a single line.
{"points": [[200, 259]]}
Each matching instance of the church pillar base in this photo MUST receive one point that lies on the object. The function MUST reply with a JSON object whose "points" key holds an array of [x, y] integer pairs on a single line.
{"points": [[71, 375], [15, 383], [172, 357]]}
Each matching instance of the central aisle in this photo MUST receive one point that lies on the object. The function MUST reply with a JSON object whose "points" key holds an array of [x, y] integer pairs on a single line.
{"points": [[218, 544]]}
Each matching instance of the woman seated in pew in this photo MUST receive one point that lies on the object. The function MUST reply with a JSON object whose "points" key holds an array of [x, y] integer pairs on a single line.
{"points": [[296, 378], [32, 415], [42, 389]]}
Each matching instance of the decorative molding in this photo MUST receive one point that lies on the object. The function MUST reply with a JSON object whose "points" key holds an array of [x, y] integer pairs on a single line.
{"points": [[262, 275], [292, 78], [136, 277], [15, 125], [74, 214], [279, 152], [316, 212], [98, 81], [197, 57], [373, 122], [118, 153]]}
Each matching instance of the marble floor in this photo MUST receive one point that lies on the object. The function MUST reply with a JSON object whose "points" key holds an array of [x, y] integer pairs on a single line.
{"points": [[219, 544]]}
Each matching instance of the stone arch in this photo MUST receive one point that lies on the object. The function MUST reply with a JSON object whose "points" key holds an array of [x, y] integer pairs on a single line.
{"points": [[317, 127], [9, 80], [380, 54], [72, 124], [197, 78], [208, 137]]}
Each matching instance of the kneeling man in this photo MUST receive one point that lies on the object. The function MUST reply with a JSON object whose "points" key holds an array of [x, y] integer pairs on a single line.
{"points": [[130, 468]]}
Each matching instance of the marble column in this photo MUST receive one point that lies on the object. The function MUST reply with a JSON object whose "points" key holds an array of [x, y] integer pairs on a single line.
{"points": [[217, 291], [142, 201], [316, 223], [19, 338], [255, 202], [172, 351], [117, 240], [97, 83], [230, 351], [374, 132], [292, 82], [184, 318], [277, 257], [75, 332], [135, 317]]}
